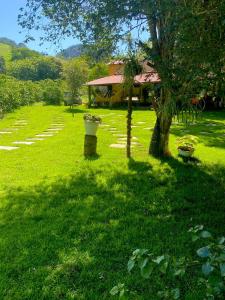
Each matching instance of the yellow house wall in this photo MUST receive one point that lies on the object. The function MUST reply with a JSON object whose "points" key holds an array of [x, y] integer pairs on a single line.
{"points": [[116, 69], [118, 94]]}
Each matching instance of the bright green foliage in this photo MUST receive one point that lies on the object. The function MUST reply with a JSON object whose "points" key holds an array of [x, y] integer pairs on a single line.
{"points": [[15, 93], [35, 69], [6, 51], [97, 71], [52, 91], [22, 53], [76, 74], [2, 65]]}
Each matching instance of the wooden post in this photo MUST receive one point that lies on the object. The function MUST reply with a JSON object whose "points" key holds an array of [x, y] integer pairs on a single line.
{"points": [[90, 145], [89, 95]]}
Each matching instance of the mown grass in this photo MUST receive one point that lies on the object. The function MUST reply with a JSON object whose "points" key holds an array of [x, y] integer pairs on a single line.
{"points": [[68, 224]]}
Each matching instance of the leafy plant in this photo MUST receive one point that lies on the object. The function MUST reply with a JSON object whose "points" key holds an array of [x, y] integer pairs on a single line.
{"points": [[209, 266], [187, 142], [92, 118]]}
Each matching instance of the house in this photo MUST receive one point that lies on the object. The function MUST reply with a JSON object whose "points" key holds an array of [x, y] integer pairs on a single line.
{"points": [[110, 89]]}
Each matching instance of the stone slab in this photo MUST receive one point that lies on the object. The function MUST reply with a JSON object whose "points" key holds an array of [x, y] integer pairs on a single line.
{"points": [[35, 139], [5, 132], [119, 134], [54, 129], [8, 148], [44, 135], [119, 146], [23, 143]]}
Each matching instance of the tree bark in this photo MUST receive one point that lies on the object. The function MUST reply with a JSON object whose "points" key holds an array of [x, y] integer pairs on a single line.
{"points": [[159, 145], [129, 119]]}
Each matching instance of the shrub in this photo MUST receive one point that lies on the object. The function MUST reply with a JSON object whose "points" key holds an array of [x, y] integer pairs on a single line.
{"points": [[208, 265], [52, 91]]}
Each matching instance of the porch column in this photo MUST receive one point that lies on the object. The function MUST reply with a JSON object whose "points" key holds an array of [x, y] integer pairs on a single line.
{"points": [[89, 95]]}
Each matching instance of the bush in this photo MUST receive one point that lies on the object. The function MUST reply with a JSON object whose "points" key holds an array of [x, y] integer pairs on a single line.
{"points": [[35, 68], [15, 93], [52, 91]]}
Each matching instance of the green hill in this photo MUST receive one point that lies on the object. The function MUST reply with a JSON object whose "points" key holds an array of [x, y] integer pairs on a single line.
{"points": [[5, 51]]}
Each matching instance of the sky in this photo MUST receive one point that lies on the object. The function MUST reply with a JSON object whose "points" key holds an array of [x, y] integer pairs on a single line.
{"points": [[9, 10]]}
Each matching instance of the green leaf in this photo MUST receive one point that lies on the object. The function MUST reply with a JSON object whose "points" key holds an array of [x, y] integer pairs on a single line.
{"points": [[221, 240], [130, 264], [222, 269], [207, 269], [121, 293], [143, 262], [175, 293], [163, 267], [147, 271], [114, 291], [195, 238], [203, 252], [205, 234], [159, 259], [179, 272]]}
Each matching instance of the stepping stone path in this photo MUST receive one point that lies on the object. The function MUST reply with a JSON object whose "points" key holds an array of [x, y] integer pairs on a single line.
{"points": [[35, 139], [23, 143], [54, 129], [119, 146], [5, 132], [119, 134], [8, 148], [44, 135], [124, 138]]}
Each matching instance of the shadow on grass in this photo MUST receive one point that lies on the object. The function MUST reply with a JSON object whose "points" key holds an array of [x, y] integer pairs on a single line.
{"points": [[92, 157], [74, 110], [71, 239], [211, 132]]}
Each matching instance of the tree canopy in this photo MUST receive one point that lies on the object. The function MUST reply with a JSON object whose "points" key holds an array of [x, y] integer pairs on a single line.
{"points": [[36, 68]]}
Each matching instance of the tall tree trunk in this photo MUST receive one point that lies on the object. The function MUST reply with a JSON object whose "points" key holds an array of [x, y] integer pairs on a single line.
{"points": [[159, 145], [129, 119]]}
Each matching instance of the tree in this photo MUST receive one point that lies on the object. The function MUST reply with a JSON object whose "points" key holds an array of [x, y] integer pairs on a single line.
{"points": [[22, 53], [76, 74], [97, 71], [132, 68], [36, 68], [2, 65], [185, 62]]}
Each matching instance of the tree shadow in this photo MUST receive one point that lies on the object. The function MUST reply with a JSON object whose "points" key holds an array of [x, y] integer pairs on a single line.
{"points": [[73, 237], [74, 110], [210, 132]]}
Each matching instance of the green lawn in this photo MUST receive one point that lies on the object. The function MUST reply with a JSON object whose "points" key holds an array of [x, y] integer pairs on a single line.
{"points": [[68, 224]]}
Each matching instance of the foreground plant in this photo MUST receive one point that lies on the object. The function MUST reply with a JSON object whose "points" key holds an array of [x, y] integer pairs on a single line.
{"points": [[209, 265]]}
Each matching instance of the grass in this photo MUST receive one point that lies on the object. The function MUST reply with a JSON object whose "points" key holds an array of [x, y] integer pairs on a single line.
{"points": [[6, 51], [68, 224]]}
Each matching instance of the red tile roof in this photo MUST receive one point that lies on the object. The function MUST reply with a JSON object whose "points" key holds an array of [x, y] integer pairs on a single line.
{"points": [[151, 77], [114, 79]]}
